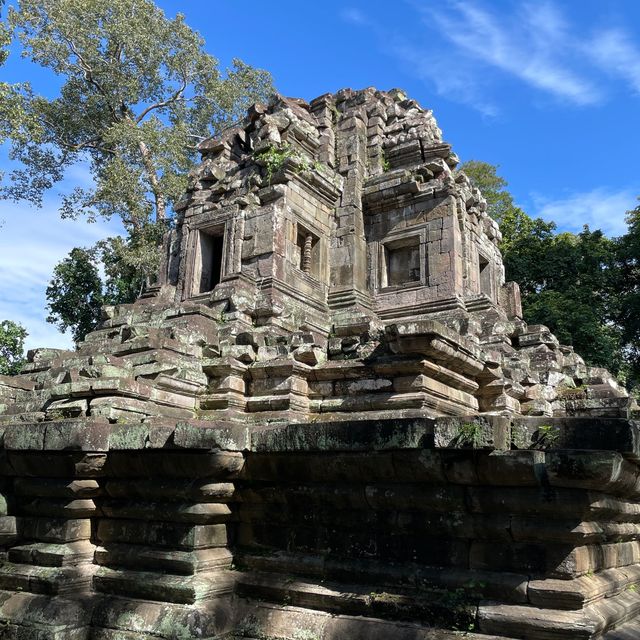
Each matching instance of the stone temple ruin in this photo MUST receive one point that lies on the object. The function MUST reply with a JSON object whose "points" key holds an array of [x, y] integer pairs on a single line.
{"points": [[328, 420]]}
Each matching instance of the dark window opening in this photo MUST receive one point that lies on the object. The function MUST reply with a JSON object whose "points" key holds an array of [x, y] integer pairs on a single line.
{"points": [[210, 261], [402, 263], [485, 276]]}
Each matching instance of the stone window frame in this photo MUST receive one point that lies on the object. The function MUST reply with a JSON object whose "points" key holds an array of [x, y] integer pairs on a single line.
{"points": [[221, 228], [302, 224], [489, 278], [396, 238]]}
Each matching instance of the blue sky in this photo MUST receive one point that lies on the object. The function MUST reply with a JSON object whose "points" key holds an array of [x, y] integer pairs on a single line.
{"points": [[550, 91]]}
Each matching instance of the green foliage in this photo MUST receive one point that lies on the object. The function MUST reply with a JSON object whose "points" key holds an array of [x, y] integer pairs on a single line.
{"points": [[546, 436], [5, 37], [470, 434], [274, 158], [12, 336], [515, 224], [628, 285], [386, 165], [569, 282], [131, 262], [453, 608], [494, 188], [138, 91], [11, 95], [75, 293]]}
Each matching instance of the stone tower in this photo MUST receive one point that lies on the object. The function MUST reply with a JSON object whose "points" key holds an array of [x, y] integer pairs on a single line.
{"points": [[328, 420], [338, 242]]}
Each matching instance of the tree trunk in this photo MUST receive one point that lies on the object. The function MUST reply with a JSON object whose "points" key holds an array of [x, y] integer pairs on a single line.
{"points": [[161, 207]]}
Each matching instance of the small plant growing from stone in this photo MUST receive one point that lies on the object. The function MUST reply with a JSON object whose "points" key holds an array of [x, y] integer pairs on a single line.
{"points": [[274, 158], [386, 165], [569, 393], [547, 435], [469, 435]]}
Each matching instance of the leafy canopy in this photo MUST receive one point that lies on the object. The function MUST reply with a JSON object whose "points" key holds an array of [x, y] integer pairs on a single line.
{"points": [[75, 294], [11, 114], [569, 282], [12, 336], [628, 260], [138, 91], [113, 271]]}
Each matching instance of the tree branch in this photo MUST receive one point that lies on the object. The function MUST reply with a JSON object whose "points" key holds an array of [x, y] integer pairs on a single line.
{"points": [[164, 103], [88, 75], [91, 143]]}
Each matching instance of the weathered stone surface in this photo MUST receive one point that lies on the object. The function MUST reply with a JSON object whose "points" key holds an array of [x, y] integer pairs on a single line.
{"points": [[327, 419]]}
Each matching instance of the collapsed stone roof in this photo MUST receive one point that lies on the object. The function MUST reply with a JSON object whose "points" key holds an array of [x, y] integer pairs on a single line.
{"points": [[328, 261]]}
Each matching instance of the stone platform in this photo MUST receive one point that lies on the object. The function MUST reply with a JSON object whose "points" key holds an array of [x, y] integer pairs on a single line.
{"points": [[409, 528]]}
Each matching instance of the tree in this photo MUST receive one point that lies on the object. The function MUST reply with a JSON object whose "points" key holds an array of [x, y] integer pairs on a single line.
{"points": [[12, 336], [568, 282], [494, 187], [138, 92], [514, 223], [11, 114], [628, 256], [114, 271], [75, 294]]}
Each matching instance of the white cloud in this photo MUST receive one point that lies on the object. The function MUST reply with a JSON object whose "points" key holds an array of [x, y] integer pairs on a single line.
{"points": [[614, 52], [599, 208], [533, 44], [32, 241], [355, 16], [459, 86], [529, 45]]}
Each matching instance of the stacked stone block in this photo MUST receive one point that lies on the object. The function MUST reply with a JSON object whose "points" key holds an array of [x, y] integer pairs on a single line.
{"points": [[537, 543]]}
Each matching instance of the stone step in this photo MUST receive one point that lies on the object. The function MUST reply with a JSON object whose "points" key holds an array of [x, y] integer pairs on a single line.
{"points": [[577, 593], [46, 580], [196, 513], [628, 631], [501, 586], [149, 585], [549, 624], [278, 622], [178, 535], [54, 530], [123, 619], [52, 555], [453, 609], [154, 559], [27, 615]]}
